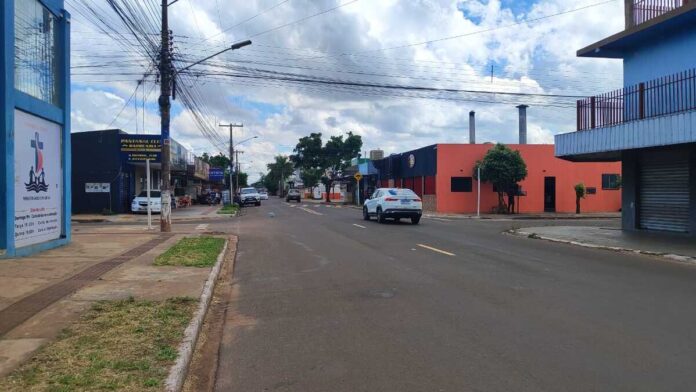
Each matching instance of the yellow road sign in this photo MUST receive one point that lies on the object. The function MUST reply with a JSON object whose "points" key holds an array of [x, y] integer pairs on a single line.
{"points": [[357, 176]]}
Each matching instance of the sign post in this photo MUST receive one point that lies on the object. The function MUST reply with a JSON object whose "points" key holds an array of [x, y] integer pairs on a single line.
{"points": [[358, 177], [478, 192], [147, 178]]}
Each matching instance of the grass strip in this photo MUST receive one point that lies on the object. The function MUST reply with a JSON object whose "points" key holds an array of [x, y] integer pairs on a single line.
{"points": [[125, 345], [192, 252], [228, 209]]}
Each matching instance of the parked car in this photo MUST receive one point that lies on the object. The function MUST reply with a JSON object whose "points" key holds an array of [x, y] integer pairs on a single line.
{"points": [[293, 194], [393, 203], [249, 196], [264, 195], [139, 203]]}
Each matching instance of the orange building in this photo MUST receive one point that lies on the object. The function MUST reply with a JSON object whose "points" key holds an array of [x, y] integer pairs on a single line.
{"points": [[442, 175]]}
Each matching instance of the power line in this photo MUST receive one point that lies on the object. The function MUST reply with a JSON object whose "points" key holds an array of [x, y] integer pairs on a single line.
{"points": [[244, 21]]}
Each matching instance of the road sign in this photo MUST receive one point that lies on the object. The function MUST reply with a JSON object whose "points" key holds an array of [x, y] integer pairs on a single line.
{"points": [[357, 176]]}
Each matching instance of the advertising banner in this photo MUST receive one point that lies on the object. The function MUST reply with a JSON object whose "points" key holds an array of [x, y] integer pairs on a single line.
{"points": [[216, 174], [139, 148], [97, 187], [38, 180]]}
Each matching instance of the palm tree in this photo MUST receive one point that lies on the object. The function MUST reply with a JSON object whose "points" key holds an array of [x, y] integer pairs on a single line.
{"points": [[280, 169]]}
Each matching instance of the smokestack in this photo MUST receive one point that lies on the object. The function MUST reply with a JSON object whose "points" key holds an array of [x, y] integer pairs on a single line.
{"points": [[472, 127], [523, 123]]}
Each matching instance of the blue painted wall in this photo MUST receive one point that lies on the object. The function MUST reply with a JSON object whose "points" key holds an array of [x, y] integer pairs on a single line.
{"points": [[661, 56]]}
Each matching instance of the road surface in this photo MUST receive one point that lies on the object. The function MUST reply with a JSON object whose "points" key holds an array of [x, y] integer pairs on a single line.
{"points": [[324, 301]]}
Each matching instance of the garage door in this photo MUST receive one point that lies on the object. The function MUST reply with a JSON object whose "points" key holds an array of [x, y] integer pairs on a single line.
{"points": [[664, 193]]}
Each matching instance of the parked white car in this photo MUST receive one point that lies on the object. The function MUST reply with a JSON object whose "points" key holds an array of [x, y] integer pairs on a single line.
{"points": [[139, 203], [250, 196], [393, 203], [264, 195]]}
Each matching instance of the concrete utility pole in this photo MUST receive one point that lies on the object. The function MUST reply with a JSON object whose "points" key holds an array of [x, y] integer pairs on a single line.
{"points": [[231, 127], [165, 106], [239, 166]]}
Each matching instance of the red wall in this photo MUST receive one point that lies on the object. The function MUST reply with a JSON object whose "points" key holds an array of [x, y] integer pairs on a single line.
{"points": [[457, 160]]}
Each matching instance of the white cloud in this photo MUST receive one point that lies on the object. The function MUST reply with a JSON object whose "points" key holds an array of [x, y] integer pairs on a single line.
{"points": [[534, 57]]}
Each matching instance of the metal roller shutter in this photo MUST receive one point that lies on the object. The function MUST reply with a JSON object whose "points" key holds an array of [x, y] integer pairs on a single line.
{"points": [[664, 193]]}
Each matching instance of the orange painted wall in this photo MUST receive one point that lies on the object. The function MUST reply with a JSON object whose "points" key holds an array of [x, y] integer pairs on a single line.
{"points": [[457, 160]]}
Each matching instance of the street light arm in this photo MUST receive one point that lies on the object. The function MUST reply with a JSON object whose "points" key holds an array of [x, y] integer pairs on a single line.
{"points": [[246, 140], [236, 46]]}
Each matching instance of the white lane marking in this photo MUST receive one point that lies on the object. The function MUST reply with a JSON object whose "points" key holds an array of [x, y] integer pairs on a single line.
{"points": [[202, 227], [436, 250], [311, 211], [360, 226]]}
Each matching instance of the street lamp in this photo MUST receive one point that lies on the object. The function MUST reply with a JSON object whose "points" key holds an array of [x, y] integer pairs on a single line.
{"points": [[246, 140], [239, 166]]}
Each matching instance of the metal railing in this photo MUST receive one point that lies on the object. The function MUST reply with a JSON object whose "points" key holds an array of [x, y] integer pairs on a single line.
{"points": [[666, 95], [644, 10]]}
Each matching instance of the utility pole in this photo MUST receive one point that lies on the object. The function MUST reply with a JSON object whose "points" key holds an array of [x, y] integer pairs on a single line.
{"points": [[165, 106], [239, 166], [231, 127]]}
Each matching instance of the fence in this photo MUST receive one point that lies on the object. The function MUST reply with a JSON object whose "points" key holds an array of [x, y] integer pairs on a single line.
{"points": [[644, 10], [666, 95]]}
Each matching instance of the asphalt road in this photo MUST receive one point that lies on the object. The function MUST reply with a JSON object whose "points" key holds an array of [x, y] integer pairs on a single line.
{"points": [[323, 301]]}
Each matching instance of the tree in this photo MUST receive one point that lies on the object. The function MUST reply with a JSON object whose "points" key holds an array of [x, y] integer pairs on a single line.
{"points": [[278, 171], [243, 177], [580, 193], [309, 159], [325, 163], [503, 168]]}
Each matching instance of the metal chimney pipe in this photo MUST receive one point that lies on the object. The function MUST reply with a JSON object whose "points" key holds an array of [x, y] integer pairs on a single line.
{"points": [[472, 127], [523, 123]]}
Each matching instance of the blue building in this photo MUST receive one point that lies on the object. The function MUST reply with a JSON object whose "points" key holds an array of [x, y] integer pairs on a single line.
{"points": [[35, 111], [650, 124]]}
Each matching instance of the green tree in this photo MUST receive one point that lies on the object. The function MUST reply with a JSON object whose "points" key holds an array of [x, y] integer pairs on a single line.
{"points": [[325, 163], [243, 177], [503, 168], [580, 193], [278, 171]]}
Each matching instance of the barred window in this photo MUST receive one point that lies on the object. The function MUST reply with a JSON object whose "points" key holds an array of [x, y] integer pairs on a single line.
{"points": [[611, 181]]}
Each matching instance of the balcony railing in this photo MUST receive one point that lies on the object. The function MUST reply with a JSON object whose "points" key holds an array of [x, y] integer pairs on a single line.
{"points": [[644, 10], [667, 95]]}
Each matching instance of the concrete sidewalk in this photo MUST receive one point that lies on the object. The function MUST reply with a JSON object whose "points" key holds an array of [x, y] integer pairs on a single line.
{"points": [[42, 294], [543, 216], [674, 247], [195, 212]]}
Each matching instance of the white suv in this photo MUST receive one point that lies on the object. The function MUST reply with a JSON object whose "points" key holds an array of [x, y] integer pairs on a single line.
{"points": [[393, 203]]}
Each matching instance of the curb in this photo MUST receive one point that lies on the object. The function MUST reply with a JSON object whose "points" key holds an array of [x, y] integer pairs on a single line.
{"points": [[669, 256], [178, 371]]}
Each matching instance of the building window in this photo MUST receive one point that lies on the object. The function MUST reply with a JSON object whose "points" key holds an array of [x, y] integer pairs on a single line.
{"points": [[461, 184], [36, 51], [591, 190], [611, 181]]}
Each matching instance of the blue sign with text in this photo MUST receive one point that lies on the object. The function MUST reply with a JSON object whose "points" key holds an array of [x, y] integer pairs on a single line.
{"points": [[216, 174]]}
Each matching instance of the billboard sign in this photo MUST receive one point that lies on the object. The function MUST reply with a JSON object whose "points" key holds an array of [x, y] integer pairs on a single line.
{"points": [[139, 148], [216, 174], [38, 180], [97, 187]]}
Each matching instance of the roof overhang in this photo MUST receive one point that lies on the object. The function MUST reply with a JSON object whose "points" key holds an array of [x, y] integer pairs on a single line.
{"points": [[616, 45]]}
